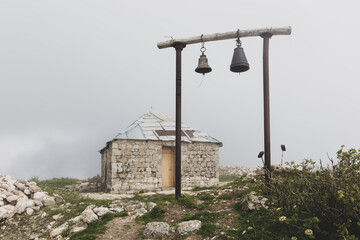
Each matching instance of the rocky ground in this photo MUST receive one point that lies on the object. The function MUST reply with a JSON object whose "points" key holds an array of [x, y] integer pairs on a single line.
{"points": [[44, 210]]}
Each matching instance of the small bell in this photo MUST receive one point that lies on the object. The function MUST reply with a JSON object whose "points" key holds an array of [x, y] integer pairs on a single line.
{"points": [[203, 66], [239, 62]]}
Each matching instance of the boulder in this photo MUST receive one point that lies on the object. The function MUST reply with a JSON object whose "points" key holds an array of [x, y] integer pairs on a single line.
{"points": [[7, 211], [100, 211], [24, 203], [49, 201], [88, 216], [20, 186], [189, 227], [156, 230], [12, 199]]}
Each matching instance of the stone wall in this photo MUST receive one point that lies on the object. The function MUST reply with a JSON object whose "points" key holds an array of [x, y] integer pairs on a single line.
{"points": [[134, 165]]}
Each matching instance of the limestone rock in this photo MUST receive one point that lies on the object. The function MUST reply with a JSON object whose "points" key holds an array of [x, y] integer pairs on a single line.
{"points": [[29, 211], [156, 230], [77, 229], [132, 206], [189, 227], [88, 216], [117, 209], [149, 206], [57, 216], [19, 185], [59, 230], [49, 201], [12, 199], [7, 211], [100, 211], [253, 201], [75, 219]]}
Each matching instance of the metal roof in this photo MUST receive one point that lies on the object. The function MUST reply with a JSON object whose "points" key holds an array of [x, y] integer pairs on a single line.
{"points": [[158, 126]]}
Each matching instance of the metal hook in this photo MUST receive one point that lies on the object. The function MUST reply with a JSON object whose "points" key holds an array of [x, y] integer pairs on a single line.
{"points": [[238, 42], [202, 49]]}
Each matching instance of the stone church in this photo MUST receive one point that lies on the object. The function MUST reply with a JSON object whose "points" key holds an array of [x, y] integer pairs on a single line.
{"points": [[143, 156]]}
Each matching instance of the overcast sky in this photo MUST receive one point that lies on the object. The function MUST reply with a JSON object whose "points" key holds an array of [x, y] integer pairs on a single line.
{"points": [[75, 73]]}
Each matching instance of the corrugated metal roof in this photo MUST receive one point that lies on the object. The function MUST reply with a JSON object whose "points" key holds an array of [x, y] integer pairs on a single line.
{"points": [[147, 126]]}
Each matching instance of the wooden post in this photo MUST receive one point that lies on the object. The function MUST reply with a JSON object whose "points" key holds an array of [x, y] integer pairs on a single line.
{"points": [[179, 46]]}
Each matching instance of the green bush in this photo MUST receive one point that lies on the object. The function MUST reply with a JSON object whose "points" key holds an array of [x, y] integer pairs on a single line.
{"points": [[308, 202]]}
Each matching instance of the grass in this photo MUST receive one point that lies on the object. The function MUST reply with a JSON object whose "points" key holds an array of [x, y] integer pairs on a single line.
{"points": [[155, 215], [203, 216], [96, 228], [207, 218], [227, 177]]}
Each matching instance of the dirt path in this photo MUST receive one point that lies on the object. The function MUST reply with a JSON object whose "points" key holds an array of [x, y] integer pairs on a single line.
{"points": [[122, 229]]}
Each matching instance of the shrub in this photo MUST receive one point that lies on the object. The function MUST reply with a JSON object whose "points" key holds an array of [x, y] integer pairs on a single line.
{"points": [[309, 202]]}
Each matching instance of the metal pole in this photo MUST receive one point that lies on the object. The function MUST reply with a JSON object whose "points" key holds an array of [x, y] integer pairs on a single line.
{"points": [[179, 46], [266, 38]]}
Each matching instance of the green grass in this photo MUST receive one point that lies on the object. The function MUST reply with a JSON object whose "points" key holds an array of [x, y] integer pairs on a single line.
{"points": [[196, 189], [227, 177], [207, 218], [155, 215], [203, 216], [207, 229], [96, 228], [54, 184]]}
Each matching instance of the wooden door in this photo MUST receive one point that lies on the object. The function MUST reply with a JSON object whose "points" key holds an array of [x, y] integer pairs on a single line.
{"points": [[167, 167]]}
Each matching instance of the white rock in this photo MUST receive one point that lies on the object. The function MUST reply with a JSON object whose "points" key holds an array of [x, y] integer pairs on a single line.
{"points": [[57, 216], [7, 211], [140, 211], [38, 203], [49, 201], [34, 189], [12, 199], [2, 203], [75, 219], [19, 185], [156, 230], [100, 211], [39, 196], [189, 227], [117, 209], [88, 216], [24, 203], [149, 206], [59, 230], [131, 206], [27, 191], [92, 206], [43, 215], [77, 229], [29, 211]]}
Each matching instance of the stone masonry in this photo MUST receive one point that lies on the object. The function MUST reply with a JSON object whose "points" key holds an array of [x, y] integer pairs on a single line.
{"points": [[135, 165]]}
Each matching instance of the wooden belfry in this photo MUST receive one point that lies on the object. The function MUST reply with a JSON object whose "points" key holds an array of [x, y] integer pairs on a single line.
{"points": [[180, 44]]}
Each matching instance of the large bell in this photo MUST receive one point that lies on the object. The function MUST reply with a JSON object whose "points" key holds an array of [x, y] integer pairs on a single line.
{"points": [[239, 62], [203, 66]]}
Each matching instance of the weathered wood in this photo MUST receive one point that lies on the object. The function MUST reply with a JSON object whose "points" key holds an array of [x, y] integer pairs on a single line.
{"points": [[227, 35]]}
